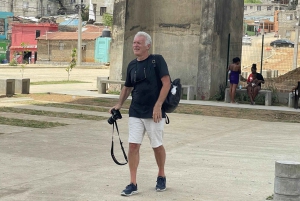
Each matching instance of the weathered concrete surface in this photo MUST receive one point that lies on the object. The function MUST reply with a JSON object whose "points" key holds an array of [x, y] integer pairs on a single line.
{"points": [[227, 162], [208, 158], [191, 35]]}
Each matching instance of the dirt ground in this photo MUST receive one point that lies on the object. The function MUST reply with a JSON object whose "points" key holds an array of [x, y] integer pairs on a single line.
{"points": [[263, 115]]}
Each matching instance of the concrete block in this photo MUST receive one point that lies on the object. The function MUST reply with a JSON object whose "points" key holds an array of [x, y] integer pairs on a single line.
{"points": [[274, 73], [266, 73], [22, 86], [278, 197], [287, 181], [268, 98], [101, 88], [291, 99], [7, 87]]}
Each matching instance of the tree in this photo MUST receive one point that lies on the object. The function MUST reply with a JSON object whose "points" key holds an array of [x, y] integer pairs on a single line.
{"points": [[108, 19], [72, 63]]}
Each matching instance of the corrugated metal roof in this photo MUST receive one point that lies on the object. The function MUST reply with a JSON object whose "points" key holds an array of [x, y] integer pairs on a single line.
{"points": [[70, 36]]}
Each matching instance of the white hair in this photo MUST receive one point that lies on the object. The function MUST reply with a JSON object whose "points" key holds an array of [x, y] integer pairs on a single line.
{"points": [[147, 37]]}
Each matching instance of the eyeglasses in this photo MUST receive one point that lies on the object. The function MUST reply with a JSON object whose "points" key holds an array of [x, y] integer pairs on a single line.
{"points": [[136, 81]]}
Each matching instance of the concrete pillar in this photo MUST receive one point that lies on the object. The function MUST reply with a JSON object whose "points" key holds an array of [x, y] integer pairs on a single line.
{"points": [[7, 87], [22, 86], [33, 57], [101, 88], [191, 35], [287, 181]]}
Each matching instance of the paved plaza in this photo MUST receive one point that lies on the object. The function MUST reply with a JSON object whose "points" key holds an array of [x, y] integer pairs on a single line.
{"points": [[208, 158]]}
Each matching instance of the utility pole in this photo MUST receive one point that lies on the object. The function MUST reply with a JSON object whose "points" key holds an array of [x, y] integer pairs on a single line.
{"points": [[296, 44], [79, 38], [79, 7]]}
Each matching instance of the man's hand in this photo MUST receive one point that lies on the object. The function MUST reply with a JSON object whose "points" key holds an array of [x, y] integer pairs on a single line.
{"points": [[116, 107], [156, 114]]}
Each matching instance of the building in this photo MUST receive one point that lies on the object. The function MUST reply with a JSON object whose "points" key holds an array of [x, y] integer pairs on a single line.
{"points": [[58, 46], [24, 44], [287, 22], [191, 35], [100, 7], [4, 37]]}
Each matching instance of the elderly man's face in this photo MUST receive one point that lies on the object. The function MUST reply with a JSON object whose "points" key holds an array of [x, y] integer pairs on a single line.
{"points": [[139, 46]]}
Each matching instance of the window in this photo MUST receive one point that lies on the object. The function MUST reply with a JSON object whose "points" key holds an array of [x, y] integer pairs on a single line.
{"points": [[102, 10], [258, 7], [269, 7], [72, 1], [245, 7], [37, 33], [48, 8], [276, 8], [25, 6], [289, 17], [95, 10], [61, 46], [251, 7]]}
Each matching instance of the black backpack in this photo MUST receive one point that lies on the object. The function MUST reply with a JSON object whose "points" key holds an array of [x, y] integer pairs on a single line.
{"points": [[173, 97]]}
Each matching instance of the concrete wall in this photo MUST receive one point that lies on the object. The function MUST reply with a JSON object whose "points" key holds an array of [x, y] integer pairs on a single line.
{"points": [[286, 24], [53, 51], [192, 36]]}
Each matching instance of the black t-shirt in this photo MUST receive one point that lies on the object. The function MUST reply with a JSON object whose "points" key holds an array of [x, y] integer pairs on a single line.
{"points": [[141, 75]]}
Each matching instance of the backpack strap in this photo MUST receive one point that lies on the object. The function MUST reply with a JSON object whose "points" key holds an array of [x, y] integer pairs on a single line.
{"points": [[112, 146], [158, 81]]}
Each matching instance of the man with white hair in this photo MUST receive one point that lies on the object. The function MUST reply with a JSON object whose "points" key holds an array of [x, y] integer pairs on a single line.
{"points": [[149, 88]]}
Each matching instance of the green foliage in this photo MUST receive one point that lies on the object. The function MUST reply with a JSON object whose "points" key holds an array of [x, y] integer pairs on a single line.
{"points": [[85, 14], [13, 62], [221, 95], [72, 63], [108, 19], [252, 1]]}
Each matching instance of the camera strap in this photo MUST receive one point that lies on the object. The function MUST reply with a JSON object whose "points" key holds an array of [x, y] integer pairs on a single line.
{"points": [[112, 146]]}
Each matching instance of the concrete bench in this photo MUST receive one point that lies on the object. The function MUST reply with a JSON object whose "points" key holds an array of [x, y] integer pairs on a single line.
{"points": [[291, 102], [103, 81], [22, 86], [190, 92], [267, 93], [7, 87]]}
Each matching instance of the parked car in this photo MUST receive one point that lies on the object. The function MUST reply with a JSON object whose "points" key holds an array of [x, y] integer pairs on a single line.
{"points": [[282, 43], [246, 40]]}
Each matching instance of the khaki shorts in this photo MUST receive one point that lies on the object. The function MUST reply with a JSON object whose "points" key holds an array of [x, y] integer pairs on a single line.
{"points": [[138, 127]]}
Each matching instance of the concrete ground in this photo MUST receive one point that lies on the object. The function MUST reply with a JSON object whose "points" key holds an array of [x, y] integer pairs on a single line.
{"points": [[208, 158]]}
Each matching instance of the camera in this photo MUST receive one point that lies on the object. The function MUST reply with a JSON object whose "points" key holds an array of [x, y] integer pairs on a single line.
{"points": [[115, 116]]}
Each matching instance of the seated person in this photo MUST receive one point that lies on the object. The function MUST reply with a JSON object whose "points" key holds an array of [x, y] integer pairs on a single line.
{"points": [[254, 84], [295, 92]]}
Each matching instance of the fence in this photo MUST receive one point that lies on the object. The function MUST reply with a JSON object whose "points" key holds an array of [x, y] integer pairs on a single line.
{"points": [[272, 61]]}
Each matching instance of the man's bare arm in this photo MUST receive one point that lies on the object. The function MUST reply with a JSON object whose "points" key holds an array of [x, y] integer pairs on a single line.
{"points": [[166, 84], [125, 92]]}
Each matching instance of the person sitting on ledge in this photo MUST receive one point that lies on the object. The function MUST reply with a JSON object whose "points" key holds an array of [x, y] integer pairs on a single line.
{"points": [[254, 82]]}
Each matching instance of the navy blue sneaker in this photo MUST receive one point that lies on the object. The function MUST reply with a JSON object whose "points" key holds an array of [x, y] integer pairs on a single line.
{"points": [[131, 189], [161, 184]]}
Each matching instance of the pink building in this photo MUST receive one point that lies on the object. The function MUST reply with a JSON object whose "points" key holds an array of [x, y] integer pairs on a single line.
{"points": [[23, 40]]}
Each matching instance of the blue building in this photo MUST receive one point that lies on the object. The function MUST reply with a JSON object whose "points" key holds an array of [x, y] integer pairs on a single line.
{"points": [[4, 42]]}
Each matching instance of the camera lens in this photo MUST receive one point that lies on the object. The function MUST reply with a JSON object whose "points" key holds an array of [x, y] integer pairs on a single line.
{"points": [[111, 120]]}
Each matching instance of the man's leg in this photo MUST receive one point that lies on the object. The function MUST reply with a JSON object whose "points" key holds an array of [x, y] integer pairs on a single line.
{"points": [[136, 134], [160, 156], [133, 160]]}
